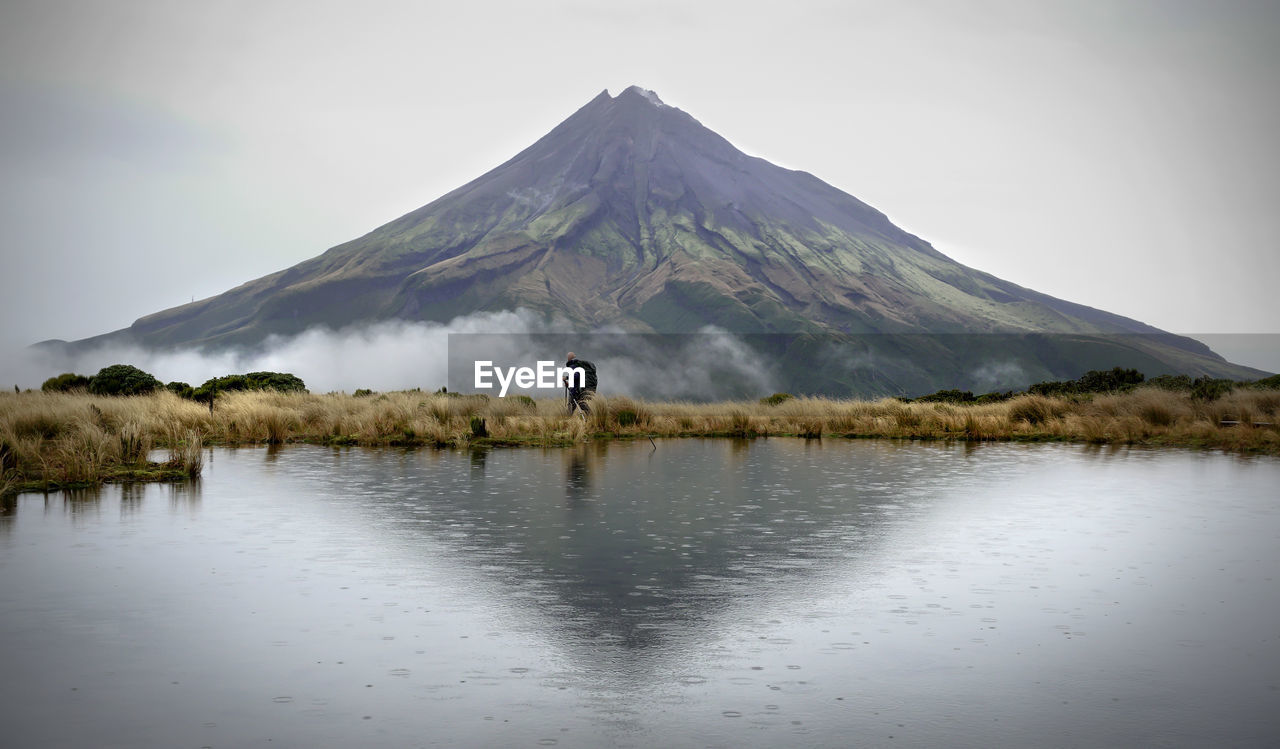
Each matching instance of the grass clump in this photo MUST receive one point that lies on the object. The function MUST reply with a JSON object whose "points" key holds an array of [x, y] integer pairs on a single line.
{"points": [[1035, 410]]}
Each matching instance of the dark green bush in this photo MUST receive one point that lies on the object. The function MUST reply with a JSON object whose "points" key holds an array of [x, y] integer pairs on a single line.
{"points": [[1267, 383], [947, 396], [1171, 382], [1106, 381], [180, 389], [1093, 381], [279, 381], [362, 392], [65, 382], [123, 379], [1054, 388], [1209, 388], [776, 398], [478, 428], [627, 417], [524, 400]]}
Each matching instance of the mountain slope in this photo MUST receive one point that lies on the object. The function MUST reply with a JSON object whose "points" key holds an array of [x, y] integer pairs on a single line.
{"points": [[631, 214]]}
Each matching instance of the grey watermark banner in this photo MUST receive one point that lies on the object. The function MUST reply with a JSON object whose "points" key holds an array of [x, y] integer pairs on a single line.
{"points": [[717, 365]]}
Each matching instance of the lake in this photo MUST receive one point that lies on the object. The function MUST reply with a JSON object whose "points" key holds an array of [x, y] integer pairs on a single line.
{"points": [[690, 593]]}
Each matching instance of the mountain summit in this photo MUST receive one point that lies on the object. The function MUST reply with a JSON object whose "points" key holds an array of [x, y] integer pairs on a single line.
{"points": [[633, 215]]}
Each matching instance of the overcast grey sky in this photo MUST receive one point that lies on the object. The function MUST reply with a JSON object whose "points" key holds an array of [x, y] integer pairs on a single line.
{"points": [[1118, 154]]}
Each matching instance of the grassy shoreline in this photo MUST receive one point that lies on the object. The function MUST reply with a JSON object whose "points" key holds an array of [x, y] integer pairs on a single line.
{"points": [[53, 441]]}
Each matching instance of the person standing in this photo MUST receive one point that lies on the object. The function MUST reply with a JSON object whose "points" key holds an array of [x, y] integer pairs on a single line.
{"points": [[579, 389]]}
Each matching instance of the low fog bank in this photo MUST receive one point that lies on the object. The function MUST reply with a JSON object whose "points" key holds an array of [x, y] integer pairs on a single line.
{"points": [[401, 355], [393, 355], [708, 365]]}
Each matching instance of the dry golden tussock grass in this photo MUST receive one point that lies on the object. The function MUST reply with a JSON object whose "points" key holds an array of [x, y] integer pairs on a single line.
{"points": [[57, 439]]}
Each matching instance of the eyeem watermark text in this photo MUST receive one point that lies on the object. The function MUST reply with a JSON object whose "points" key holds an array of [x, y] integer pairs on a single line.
{"points": [[544, 376]]}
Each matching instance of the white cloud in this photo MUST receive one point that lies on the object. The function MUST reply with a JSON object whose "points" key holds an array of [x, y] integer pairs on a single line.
{"points": [[389, 355], [401, 355]]}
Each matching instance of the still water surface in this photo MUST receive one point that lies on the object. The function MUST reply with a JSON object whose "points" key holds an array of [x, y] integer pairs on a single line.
{"points": [[703, 593]]}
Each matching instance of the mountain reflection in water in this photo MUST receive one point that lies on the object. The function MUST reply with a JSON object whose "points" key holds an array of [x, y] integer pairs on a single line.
{"points": [[770, 592], [632, 546]]}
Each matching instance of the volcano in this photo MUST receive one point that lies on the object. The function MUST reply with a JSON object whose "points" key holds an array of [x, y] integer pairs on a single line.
{"points": [[632, 216]]}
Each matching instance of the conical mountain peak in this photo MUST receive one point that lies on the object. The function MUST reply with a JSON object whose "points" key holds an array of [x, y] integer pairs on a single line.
{"points": [[633, 110], [644, 93], [632, 214]]}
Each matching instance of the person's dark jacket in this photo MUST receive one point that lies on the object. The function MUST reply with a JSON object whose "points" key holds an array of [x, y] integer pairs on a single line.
{"points": [[589, 368]]}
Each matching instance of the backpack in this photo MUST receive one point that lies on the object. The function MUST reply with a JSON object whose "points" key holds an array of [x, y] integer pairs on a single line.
{"points": [[589, 369]]}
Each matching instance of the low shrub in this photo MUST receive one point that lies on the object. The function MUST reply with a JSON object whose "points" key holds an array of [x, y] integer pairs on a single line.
{"points": [[1209, 388], [1111, 380], [181, 389], [947, 396], [65, 382], [1267, 383], [281, 382], [1174, 383], [123, 379], [1106, 381]]}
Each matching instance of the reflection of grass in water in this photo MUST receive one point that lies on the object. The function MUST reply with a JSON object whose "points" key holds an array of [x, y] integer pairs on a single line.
{"points": [[60, 439]]}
